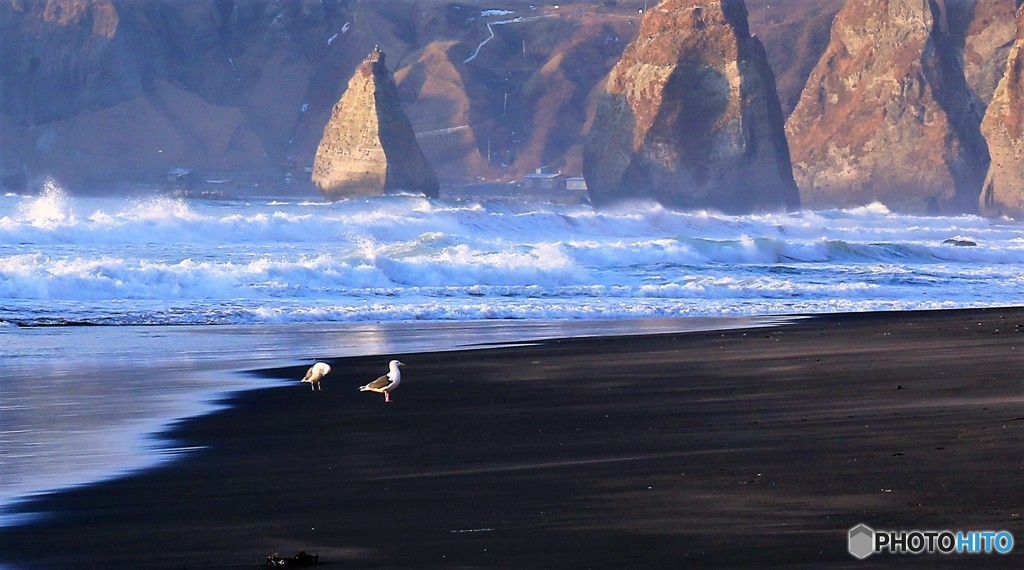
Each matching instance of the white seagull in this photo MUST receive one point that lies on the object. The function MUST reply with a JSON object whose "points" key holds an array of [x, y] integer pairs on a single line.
{"points": [[386, 383], [315, 374]]}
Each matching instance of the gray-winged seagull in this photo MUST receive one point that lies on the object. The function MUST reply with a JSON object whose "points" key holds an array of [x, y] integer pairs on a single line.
{"points": [[386, 383], [315, 374]]}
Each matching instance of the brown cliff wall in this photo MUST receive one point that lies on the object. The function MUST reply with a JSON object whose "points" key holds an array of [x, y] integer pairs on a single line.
{"points": [[1003, 127], [232, 85], [61, 57], [990, 35], [79, 74], [887, 114], [794, 33]]}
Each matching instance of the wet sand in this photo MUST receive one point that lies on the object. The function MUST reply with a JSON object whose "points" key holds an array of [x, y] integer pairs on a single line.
{"points": [[756, 447]]}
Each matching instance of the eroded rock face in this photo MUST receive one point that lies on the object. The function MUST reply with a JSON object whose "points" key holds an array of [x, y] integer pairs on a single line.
{"points": [[987, 45], [74, 65], [82, 100], [887, 114], [369, 147], [690, 116], [434, 91], [61, 57], [1003, 127], [795, 34]]}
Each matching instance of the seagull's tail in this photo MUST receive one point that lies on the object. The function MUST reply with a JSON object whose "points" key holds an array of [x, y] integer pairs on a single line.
{"points": [[364, 388]]}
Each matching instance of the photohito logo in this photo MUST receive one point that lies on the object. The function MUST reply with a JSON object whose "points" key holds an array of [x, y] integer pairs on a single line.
{"points": [[863, 541]]}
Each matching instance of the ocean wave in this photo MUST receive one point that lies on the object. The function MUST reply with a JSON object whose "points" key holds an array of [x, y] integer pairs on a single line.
{"points": [[156, 257]]}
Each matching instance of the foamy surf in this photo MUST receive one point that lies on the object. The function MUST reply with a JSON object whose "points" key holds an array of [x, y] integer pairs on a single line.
{"points": [[162, 260]]}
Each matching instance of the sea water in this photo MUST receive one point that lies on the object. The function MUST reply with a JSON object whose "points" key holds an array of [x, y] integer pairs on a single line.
{"points": [[119, 316], [160, 260]]}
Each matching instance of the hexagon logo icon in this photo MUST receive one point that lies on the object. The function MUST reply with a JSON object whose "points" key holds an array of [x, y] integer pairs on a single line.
{"points": [[861, 541]]}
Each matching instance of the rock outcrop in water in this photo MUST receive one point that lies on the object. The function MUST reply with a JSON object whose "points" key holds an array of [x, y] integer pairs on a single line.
{"points": [[690, 116], [369, 147], [1003, 127], [887, 114]]}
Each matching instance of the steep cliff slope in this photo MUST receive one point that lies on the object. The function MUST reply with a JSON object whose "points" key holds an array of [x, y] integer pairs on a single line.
{"points": [[437, 98], [505, 104], [88, 87], [987, 44], [94, 92], [108, 89], [887, 113], [1003, 127], [794, 33], [690, 116]]}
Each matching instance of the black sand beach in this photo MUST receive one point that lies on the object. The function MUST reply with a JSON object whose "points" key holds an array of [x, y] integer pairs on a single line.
{"points": [[741, 448]]}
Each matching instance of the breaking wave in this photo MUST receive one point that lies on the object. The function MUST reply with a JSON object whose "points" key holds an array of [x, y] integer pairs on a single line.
{"points": [[170, 260]]}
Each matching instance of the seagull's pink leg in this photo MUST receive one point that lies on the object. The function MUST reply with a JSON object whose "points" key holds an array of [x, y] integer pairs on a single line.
{"points": [[387, 396]]}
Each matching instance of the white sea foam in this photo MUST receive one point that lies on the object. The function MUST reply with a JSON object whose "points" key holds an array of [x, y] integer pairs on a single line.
{"points": [[168, 260]]}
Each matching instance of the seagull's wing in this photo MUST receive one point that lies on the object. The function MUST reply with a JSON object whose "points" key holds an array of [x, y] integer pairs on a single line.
{"points": [[309, 374], [379, 383]]}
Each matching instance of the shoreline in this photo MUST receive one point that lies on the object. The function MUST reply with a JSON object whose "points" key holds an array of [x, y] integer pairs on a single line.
{"points": [[744, 447], [135, 440]]}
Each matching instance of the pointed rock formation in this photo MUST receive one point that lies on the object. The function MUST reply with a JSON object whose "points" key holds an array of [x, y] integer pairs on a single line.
{"points": [[690, 116], [1003, 127], [887, 114], [369, 147]]}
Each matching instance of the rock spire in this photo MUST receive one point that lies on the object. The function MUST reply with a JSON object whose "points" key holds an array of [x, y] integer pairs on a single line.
{"points": [[368, 147]]}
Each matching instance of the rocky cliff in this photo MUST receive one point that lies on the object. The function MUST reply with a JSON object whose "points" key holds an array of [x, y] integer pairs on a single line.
{"points": [[91, 90], [990, 35], [690, 116], [368, 147], [1003, 127], [887, 113], [795, 34], [94, 92]]}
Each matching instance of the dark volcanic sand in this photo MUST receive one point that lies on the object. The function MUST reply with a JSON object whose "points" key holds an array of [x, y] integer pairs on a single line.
{"points": [[738, 448]]}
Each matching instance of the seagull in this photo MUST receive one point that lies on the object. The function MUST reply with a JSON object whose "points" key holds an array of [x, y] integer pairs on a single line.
{"points": [[386, 383], [315, 374]]}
